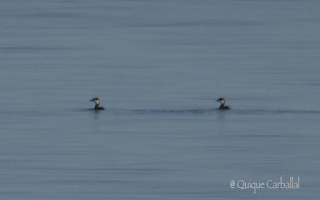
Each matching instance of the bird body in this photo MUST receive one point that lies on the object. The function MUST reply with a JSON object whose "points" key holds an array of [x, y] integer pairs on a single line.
{"points": [[97, 102], [222, 106]]}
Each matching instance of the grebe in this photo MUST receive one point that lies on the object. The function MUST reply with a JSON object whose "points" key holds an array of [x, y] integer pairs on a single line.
{"points": [[97, 102], [222, 106]]}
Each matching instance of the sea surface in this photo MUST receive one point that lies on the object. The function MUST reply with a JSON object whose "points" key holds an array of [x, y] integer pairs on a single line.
{"points": [[158, 67]]}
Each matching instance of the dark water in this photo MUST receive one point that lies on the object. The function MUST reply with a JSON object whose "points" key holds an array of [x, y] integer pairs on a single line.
{"points": [[158, 67]]}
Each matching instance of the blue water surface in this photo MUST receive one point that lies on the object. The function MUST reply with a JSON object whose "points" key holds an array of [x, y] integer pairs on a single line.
{"points": [[158, 67]]}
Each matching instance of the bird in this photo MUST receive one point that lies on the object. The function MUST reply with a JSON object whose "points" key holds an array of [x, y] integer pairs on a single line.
{"points": [[222, 106], [97, 102]]}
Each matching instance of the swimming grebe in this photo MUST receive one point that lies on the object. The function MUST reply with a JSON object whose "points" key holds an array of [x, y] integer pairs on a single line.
{"points": [[97, 102], [222, 106]]}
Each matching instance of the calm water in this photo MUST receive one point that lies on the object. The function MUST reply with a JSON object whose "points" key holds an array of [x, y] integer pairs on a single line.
{"points": [[158, 67]]}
